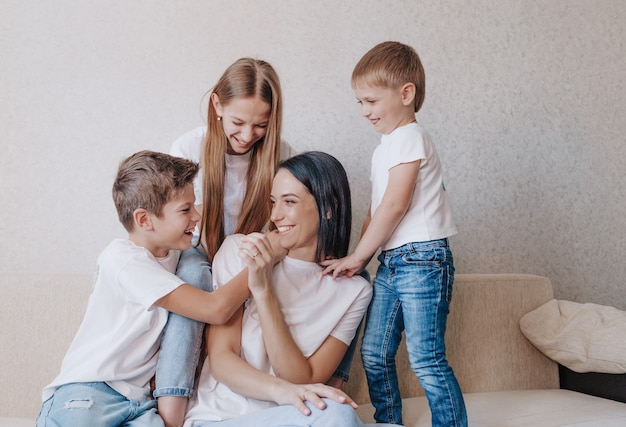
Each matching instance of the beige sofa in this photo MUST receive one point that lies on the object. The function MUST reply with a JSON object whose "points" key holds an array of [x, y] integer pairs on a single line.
{"points": [[506, 381]]}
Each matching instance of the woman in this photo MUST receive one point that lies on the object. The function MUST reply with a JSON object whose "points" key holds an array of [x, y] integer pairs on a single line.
{"points": [[264, 366]]}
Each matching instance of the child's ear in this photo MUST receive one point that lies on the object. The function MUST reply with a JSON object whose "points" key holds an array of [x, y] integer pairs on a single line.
{"points": [[408, 94], [215, 100], [142, 219]]}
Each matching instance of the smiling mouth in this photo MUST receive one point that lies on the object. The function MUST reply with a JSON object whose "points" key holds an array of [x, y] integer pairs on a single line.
{"points": [[243, 143], [189, 232], [284, 228]]}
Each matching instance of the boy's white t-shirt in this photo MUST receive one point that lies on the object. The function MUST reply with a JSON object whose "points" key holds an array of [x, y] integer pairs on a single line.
{"points": [[429, 216], [191, 146], [119, 338], [314, 307]]}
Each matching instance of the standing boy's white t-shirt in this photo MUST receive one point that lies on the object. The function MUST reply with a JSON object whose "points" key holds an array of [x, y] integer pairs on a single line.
{"points": [[314, 307], [190, 146], [120, 334], [429, 216]]}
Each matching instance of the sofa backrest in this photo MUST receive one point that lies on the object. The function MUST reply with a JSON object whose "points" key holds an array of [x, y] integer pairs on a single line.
{"points": [[39, 317], [41, 313], [485, 345]]}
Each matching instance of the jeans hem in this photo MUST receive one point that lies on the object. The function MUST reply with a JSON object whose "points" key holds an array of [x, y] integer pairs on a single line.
{"points": [[173, 392]]}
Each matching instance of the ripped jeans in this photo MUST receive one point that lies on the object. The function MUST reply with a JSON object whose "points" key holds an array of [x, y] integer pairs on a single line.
{"points": [[96, 404]]}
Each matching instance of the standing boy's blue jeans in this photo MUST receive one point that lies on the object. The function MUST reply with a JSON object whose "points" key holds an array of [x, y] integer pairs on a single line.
{"points": [[182, 337], [412, 292]]}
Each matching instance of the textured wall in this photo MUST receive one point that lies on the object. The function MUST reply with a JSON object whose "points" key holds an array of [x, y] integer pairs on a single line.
{"points": [[526, 101]]}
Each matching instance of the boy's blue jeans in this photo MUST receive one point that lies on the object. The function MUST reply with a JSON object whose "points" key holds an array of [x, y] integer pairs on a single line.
{"points": [[412, 292], [182, 337], [96, 404]]}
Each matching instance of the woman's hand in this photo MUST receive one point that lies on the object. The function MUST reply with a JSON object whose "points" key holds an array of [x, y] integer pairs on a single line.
{"points": [[286, 393], [258, 254], [279, 251]]}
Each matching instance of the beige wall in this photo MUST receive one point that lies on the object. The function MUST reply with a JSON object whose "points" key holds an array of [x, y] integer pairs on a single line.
{"points": [[525, 101]]}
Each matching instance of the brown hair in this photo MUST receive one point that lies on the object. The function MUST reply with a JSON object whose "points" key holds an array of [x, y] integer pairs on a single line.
{"points": [[245, 78], [149, 180], [392, 64]]}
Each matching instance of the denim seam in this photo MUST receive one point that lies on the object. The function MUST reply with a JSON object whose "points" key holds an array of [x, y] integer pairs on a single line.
{"points": [[173, 392]]}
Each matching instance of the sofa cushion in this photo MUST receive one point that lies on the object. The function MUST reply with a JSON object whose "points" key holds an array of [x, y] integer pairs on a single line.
{"points": [[582, 337], [522, 408]]}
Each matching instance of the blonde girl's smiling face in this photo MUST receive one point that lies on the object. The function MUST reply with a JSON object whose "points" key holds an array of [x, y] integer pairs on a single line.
{"points": [[244, 120], [386, 108], [295, 214]]}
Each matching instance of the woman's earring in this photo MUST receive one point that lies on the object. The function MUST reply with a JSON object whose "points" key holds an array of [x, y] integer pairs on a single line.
{"points": [[219, 118]]}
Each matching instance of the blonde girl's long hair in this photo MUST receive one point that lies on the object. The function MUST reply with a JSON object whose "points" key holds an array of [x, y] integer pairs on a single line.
{"points": [[245, 78]]}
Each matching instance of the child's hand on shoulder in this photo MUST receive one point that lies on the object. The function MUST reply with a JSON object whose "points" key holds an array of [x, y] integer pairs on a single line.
{"points": [[346, 266]]}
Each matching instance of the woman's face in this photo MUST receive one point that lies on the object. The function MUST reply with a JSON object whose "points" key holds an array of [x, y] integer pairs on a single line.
{"points": [[244, 120], [294, 212]]}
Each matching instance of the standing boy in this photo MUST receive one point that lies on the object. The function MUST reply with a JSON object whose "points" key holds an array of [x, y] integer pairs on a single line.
{"points": [[410, 219]]}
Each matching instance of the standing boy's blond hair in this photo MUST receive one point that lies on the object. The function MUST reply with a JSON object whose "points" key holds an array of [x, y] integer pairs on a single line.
{"points": [[392, 64]]}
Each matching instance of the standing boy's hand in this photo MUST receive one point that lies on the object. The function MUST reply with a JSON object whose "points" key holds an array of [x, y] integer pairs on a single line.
{"points": [[348, 266]]}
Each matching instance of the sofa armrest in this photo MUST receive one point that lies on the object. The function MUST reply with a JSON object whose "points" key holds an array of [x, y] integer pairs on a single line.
{"points": [[609, 386]]}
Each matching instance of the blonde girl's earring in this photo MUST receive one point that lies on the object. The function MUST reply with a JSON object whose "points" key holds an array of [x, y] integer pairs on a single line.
{"points": [[219, 118]]}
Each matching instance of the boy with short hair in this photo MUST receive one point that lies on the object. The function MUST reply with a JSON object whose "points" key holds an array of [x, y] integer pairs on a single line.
{"points": [[105, 375], [410, 219]]}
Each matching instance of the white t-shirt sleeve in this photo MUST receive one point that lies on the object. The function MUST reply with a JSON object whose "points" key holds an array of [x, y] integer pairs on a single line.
{"points": [[227, 263], [347, 326], [145, 281], [189, 144], [408, 147]]}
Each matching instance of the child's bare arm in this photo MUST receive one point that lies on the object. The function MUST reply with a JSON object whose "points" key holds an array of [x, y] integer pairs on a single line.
{"points": [[215, 307], [388, 215]]}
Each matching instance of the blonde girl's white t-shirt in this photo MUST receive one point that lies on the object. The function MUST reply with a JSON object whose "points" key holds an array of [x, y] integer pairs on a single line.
{"points": [[314, 307], [429, 216], [191, 146], [119, 338]]}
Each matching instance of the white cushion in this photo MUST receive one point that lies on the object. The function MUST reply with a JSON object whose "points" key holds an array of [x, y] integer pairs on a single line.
{"points": [[582, 337]]}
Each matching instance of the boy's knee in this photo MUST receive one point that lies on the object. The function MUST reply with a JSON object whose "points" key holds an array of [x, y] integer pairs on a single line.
{"points": [[197, 275]]}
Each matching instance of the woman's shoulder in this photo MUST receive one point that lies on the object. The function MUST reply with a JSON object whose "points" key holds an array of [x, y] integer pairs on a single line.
{"points": [[231, 243], [357, 283]]}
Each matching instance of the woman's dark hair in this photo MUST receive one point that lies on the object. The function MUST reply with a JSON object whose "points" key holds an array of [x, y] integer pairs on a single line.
{"points": [[326, 179]]}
